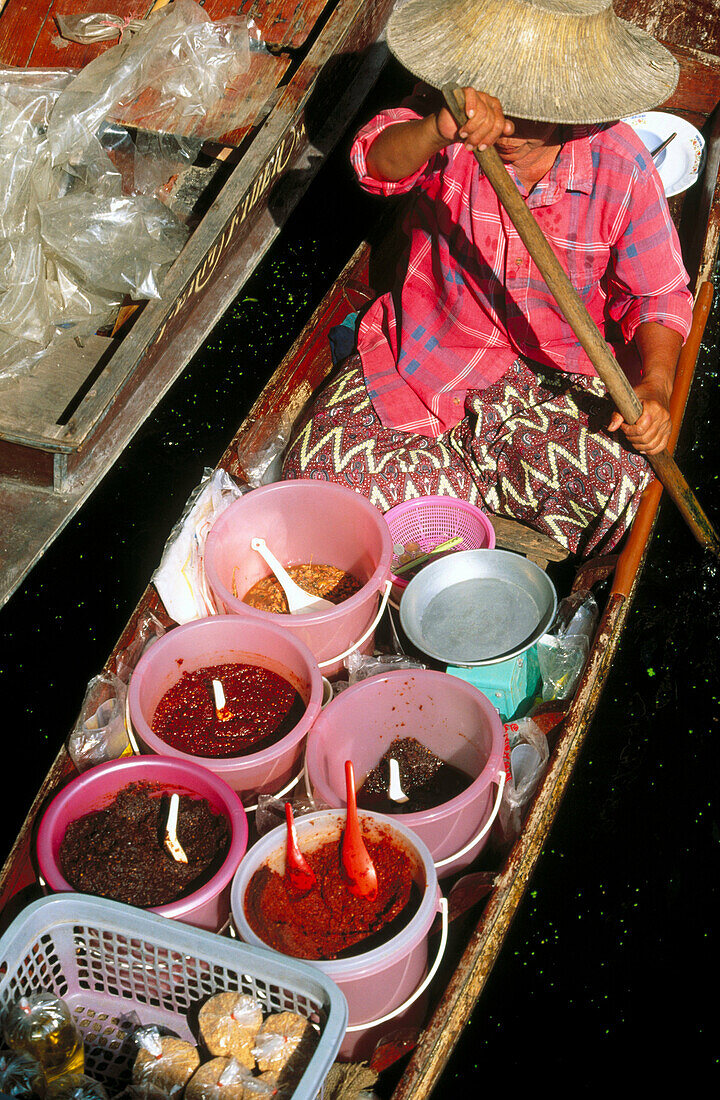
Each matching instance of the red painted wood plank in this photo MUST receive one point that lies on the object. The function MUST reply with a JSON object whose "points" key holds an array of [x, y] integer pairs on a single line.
{"points": [[228, 121], [29, 35], [285, 24]]}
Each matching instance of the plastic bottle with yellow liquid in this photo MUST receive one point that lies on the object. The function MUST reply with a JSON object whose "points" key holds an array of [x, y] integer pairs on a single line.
{"points": [[41, 1025]]}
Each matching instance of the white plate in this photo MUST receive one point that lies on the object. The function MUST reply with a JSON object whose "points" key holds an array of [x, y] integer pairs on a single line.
{"points": [[679, 164]]}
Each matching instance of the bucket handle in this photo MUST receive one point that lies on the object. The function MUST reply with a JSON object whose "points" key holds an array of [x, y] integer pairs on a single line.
{"points": [[279, 794], [486, 827], [443, 907], [368, 632], [248, 809]]}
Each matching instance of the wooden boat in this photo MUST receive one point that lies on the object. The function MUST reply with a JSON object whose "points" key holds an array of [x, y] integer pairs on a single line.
{"points": [[480, 931], [63, 426]]}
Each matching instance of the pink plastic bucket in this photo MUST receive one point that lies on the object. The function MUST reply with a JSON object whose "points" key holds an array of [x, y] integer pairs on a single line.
{"points": [[209, 906], [444, 713], [222, 639], [376, 982], [431, 520], [304, 521]]}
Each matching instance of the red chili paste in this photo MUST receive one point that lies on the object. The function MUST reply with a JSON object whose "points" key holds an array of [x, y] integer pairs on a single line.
{"points": [[328, 920], [263, 705]]}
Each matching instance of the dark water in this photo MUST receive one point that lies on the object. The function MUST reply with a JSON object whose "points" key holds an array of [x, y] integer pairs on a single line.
{"points": [[612, 959]]}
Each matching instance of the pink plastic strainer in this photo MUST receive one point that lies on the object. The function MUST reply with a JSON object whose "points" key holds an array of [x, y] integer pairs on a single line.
{"points": [[431, 520]]}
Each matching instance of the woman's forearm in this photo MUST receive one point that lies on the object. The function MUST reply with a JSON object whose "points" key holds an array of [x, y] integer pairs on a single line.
{"points": [[401, 149], [659, 348]]}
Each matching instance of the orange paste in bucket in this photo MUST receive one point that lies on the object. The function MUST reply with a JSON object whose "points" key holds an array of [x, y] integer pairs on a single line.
{"points": [[329, 922], [328, 581]]}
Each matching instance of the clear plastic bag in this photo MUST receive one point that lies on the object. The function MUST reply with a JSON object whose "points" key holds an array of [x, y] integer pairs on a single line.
{"points": [[100, 732], [24, 307], [150, 161], [96, 27], [361, 665], [147, 631], [270, 810], [180, 578], [563, 651], [178, 65], [75, 307], [27, 98], [265, 466], [163, 1065], [214, 1080], [20, 1074], [116, 245], [71, 246], [529, 755], [17, 356], [81, 225], [75, 1086]]}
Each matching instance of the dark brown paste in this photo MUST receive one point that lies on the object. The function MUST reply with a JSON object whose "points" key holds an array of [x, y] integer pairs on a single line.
{"points": [[262, 708], [328, 921], [327, 581], [427, 780], [119, 852]]}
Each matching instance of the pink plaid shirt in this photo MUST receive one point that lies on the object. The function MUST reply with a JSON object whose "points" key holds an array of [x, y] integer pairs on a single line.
{"points": [[472, 301]]}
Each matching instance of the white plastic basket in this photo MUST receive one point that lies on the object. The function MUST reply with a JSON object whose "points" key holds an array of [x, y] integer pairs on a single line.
{"points": [[108, 960]]}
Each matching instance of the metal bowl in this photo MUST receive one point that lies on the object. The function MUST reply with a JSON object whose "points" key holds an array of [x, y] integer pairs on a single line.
{"points": [[478, 607]]}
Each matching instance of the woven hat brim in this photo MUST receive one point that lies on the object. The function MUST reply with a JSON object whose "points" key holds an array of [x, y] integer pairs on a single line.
{"points": [[542, 63]]}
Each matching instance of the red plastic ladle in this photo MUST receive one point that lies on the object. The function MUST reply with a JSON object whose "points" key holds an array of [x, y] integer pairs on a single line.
{"points": [[359, 869], [298, 871]]}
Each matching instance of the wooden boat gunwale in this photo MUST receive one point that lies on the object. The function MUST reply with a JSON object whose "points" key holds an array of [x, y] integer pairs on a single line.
{"points": [[279, 405]]}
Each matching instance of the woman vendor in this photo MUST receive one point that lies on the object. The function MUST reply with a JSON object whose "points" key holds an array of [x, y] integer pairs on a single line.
{"points": [[466, 379]]}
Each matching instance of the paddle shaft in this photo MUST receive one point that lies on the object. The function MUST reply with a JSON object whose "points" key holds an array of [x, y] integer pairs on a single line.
{"points": [[589, 336]]}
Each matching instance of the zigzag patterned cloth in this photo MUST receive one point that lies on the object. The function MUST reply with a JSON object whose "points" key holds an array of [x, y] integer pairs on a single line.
{"points": [[531, 447]]}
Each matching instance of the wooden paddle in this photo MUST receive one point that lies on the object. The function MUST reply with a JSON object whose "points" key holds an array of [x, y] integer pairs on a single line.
{"points": [[610, 373]]}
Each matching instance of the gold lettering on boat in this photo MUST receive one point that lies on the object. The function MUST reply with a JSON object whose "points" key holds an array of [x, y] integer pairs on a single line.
{"points": [[274, 166]]}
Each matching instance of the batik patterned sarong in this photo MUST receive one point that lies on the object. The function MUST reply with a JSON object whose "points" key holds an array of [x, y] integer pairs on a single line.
{"points": [[530, 447]]}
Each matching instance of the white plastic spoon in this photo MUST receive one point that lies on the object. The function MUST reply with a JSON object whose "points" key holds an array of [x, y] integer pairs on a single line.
{"points": [[172, 843], [299, 601], [397, 794], [222, 711]]}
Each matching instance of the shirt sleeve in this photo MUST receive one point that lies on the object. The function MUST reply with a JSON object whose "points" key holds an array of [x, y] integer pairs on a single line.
{"points": [[362, 143], [647, 280]]}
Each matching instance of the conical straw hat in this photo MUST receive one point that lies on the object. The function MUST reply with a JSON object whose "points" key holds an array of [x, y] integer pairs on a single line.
{"points": [[571, 61]]}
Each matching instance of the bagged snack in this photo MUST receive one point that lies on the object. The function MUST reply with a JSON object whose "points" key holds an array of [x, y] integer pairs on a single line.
{"points": [[228, 1025], [226, 1079], [284, 1045], [163, 1067]]}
